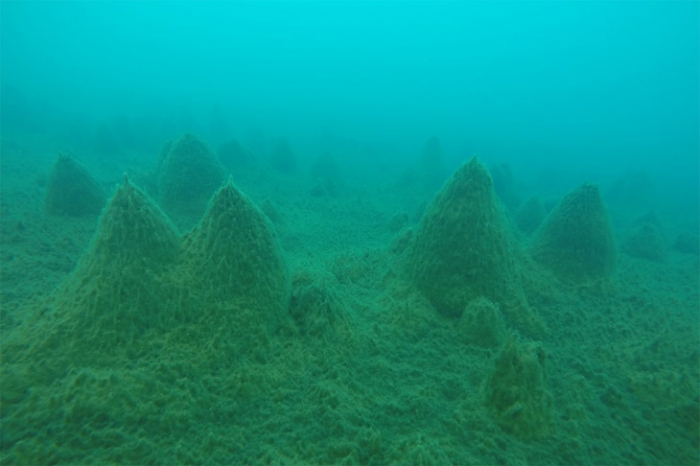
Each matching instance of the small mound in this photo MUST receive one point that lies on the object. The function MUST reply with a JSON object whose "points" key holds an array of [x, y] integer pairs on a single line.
{"points": [[645, 242], [576, 241], [188, 174], [516, 391], [71, 190]]}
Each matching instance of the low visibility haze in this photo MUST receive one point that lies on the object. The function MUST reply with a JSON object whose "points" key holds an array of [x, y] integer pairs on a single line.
{"points": [[592, 85]]}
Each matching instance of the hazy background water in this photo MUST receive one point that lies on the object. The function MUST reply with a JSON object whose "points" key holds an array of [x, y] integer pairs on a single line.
{"points": [[560, 90]]}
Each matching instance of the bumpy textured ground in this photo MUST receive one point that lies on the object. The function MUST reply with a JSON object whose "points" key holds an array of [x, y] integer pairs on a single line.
{"points": [[362, 368]]}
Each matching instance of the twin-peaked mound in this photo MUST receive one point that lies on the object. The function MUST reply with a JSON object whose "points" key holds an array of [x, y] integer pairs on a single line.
{"points": [[138, 280]]}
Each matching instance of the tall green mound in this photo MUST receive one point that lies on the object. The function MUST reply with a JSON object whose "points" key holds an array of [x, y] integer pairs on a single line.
{"points": [[575, 242], [463, 249], [71, 191], [118, 292], [234, 259], [188, 174]]}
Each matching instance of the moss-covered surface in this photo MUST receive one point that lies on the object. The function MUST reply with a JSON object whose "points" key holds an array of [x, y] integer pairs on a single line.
{"points": [[463, 249], [361, 368], [576, 241], [188, 174]]}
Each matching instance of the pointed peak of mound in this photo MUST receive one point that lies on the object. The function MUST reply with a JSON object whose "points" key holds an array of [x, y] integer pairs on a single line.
{"points": [[235, 255]]}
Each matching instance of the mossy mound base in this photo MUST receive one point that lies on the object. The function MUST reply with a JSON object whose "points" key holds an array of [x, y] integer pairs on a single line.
{"points": [[463, 248], [119, 291], [576, 242], [233, 256], [516, 391], [188, 174], [71, 190]]}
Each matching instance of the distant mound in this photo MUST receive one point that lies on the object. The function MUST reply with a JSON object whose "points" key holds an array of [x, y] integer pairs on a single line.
{"points": [[576, 241], [71, 191], [188, 174]]}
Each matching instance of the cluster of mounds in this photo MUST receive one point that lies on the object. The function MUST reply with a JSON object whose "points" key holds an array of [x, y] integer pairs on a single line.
{"points": [[139, 282], [213, 346], [464, 259], [71, 191]]}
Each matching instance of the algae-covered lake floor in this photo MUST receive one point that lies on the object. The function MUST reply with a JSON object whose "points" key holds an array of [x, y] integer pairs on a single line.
{"points": [[363, 370]]}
